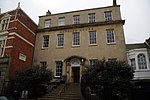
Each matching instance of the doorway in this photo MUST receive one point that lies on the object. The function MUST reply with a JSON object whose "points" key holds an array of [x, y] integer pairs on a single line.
{"points": [[76, 74]]}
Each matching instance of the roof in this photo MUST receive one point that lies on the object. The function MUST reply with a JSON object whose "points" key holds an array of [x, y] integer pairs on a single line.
{"points": [[135, 46], [15, 10], [79, 10]]}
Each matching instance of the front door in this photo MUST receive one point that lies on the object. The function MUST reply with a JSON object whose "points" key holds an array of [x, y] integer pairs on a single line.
{"points": [[76, 74]]}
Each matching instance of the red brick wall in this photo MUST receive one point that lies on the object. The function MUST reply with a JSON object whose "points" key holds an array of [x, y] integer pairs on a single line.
{"points": [[19, 45]]}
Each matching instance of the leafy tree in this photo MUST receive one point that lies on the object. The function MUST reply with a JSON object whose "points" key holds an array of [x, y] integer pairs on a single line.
{"points": [[110, 79], [33, 80]]}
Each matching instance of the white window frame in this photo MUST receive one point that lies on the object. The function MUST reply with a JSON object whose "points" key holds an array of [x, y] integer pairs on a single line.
{"points": [[76, 39], [45, 42], [2, 46], [76, 19], [133, 54], [108, 15], [58, 68], [61, 21], [133, 63], [92, 38], [60, 40], [4, 24], [91, 18], [110, 36], [47, 23], [142, 63]]}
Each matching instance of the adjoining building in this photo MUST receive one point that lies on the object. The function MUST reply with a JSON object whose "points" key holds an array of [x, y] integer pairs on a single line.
{"points": [[66, 42], [17, 39], [139, 58]]}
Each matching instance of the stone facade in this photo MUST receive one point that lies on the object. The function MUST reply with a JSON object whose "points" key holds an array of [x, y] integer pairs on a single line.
{"points": [[67, 42]]}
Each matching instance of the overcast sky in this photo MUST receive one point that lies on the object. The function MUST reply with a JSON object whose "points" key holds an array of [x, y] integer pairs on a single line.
{"points": [[135, 12]]}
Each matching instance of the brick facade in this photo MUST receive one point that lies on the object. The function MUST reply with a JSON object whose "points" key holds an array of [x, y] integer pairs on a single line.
{"points": [[20, 40]]}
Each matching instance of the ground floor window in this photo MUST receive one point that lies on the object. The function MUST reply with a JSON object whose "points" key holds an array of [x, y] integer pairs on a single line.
{"points": [[59, 65], [43, 64]]}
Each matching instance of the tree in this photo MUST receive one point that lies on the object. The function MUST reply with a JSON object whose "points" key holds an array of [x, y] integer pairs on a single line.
{"points": [[33, 80], [110, 79]]}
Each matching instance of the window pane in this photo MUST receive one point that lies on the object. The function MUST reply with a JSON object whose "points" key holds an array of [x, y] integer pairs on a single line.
{"points": [[2, 43], [61, 21], [92, 37], [59, 65], [60, 40], [142, 61], [43, 64], [76, 38], [4, 23], [47, 23], [45, 41], [76, 19], [91, 18], [108, 16], [110, 36], [133, 63]]}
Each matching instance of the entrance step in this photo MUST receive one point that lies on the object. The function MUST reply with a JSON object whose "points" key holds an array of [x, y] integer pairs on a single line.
{"points": [[71, 92]]}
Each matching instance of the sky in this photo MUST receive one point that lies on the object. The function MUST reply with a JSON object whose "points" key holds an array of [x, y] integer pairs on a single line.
{"points": [[136, 13]]}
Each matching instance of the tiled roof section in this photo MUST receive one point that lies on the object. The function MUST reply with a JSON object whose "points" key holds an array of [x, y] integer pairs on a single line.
{"points": [[135, 46]]}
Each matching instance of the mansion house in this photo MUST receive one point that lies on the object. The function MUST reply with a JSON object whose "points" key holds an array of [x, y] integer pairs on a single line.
{"points": [[67, 42]]}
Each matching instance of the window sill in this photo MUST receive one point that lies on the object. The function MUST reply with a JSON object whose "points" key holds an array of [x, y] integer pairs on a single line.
{"points": [[59, 47], [142, 70], [75, 46], [93, 45], [44, 48], [113, 43]]}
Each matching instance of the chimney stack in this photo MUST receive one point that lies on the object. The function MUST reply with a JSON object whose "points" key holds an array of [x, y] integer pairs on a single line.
{"points": [[48, 13], [0, 10], [114, 3]]}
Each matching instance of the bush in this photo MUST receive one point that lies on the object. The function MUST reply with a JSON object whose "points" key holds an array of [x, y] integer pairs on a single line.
{"points": [[111, 79], [33, 80]]}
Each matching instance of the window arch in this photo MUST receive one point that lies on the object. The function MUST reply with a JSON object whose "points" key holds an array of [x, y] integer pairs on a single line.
{"points": [[142, 61]]}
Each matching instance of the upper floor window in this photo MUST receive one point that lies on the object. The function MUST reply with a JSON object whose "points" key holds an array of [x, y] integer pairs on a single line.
{"points": [[108, 15], [45, 41], [59, 65], [133, 64], [142, 61], [47, 23], [61, 21], [110, 36], [2, 43], [91, 18], [60, 40], [92, 37], [4, 23], [76, 19], [43, 64], [76, 39]]}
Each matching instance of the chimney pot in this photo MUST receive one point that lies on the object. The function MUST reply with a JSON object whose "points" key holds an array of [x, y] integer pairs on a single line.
{"points": [[114, 3]]}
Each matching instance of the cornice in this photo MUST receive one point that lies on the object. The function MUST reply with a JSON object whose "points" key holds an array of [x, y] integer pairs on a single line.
{"points": [[73, 26]]}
